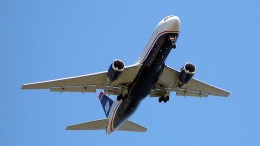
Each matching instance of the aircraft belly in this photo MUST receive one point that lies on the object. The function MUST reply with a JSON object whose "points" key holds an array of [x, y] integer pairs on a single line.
{"points": [[145, 80]]}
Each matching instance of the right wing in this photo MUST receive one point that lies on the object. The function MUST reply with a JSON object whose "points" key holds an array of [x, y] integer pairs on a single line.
{"points": [[87, 83], [198, 88], [169, 81]]}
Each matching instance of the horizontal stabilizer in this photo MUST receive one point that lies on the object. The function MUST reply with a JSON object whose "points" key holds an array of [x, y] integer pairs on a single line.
{"points": [[102, 125], [131, 126], [93, 125]]}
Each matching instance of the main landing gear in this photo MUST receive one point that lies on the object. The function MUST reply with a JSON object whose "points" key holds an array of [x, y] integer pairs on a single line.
{"points": [[122, 97], [164, 98]]}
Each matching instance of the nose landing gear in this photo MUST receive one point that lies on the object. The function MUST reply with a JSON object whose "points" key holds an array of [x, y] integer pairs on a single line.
{"points": [[173, 40], [174, 46]]}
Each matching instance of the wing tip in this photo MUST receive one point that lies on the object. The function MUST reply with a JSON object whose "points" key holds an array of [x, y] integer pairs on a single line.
{"points": [[223, 94], [145, 129], [26, 86], [23, 87], [68, 128], [73, 127], [228, 93]]}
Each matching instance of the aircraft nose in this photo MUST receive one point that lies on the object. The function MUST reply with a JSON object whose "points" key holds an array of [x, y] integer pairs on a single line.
{"points": [[174, 23], [170, 23]]}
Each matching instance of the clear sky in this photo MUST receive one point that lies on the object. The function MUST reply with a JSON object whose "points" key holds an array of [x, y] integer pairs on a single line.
{"points": [[42, 40]]}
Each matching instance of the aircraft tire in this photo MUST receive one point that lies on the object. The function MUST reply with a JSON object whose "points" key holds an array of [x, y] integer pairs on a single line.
{"points": [[160, 99], [119, 97]]}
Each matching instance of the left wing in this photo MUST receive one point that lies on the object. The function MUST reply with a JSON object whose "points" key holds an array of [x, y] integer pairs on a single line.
{"points": [[169, 82], [87, 83]]}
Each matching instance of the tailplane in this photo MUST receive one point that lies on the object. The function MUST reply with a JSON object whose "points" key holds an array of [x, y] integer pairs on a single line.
{"points": [[102, 125], [131, 126], [93, 125]]}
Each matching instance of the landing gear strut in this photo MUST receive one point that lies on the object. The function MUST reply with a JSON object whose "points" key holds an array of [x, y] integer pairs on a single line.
{"points": [[164, 98], [174, 46], [123, 97], [173, 40]]}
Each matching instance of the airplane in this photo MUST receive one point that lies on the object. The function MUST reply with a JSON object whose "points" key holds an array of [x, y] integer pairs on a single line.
{"points": [[131, 84]]}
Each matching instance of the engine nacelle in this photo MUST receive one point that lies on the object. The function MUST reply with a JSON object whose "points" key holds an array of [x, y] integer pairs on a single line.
{"points": [[187, 72], [115, 70]]}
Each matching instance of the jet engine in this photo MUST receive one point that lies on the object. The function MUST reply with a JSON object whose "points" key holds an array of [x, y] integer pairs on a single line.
{"points": [[115, 70], [186, 73]]}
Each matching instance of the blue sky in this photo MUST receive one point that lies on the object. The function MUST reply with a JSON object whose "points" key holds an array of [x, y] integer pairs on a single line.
{"points": [[42, 40]]}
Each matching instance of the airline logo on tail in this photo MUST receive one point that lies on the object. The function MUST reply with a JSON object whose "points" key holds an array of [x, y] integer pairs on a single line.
{"points": [[107, 107], [106, 102]]}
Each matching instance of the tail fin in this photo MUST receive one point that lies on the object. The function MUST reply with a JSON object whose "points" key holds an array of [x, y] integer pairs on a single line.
{"points": [[106, 102]]}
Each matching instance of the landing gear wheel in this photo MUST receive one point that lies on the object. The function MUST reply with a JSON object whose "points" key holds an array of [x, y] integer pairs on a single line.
{"points": [[167, 98], [160, 99], [174, 46], [164, 99], [125, 97], [119, 97]]}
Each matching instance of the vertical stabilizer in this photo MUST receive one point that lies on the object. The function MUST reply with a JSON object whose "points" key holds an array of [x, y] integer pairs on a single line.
{"points": [[106, 102]]}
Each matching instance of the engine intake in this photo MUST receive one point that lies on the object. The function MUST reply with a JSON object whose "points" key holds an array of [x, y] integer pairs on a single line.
{"points": [[115, 70], [187, 72]]}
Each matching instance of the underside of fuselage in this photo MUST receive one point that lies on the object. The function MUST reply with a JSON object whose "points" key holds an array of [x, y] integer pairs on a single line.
{"points": [[148, 75]]}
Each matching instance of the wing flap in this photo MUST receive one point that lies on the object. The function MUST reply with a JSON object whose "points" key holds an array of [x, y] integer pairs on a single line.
{"points": [[74, 89], [191, 93]]}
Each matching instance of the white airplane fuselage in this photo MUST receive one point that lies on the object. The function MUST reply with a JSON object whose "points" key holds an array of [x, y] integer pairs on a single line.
{"points": [[152, 62]]}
